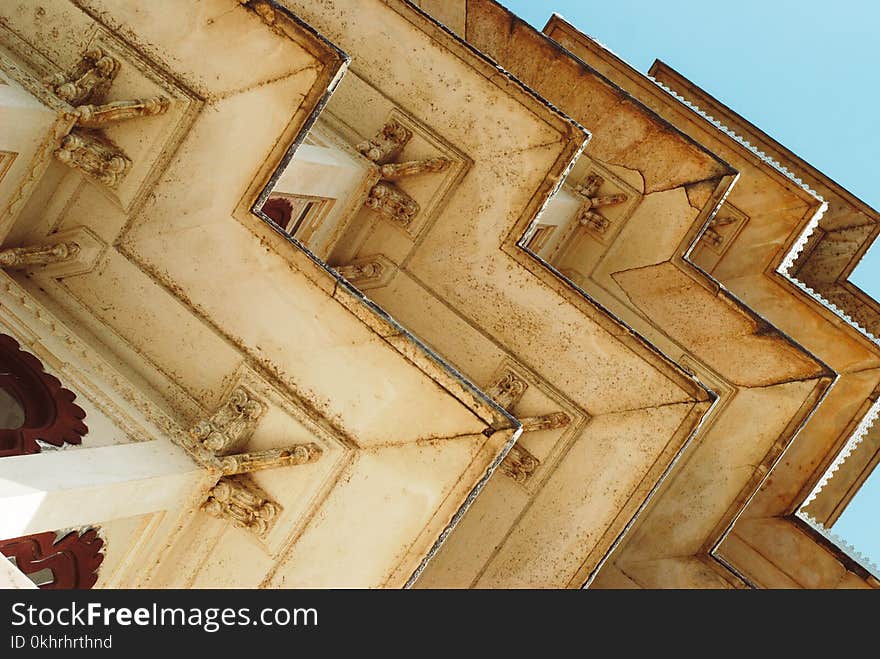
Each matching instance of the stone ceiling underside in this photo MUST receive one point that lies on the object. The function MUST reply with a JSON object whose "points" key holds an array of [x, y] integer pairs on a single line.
{"points": [[706, 354]]}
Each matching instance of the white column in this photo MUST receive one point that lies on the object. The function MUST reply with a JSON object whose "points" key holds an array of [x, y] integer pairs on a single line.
{"points": [[77, 487]]}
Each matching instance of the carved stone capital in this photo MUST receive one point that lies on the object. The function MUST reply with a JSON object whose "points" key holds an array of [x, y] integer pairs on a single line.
{"points": [[231, 425], [387, 144], [88, 82], [96, 116], [242, 463], [26, 257], [243, 504], [94, 156], [392, 202]]}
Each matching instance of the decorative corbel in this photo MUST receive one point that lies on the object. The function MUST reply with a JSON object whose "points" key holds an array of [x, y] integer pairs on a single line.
{"points": [[508, 390], [398, 170], [89, 82], [17, 258], [550, 421], [519, 464], [231, 425], [387, 144], [392, 202], [95, 156], [97, 116], [245, 463], [243, 504], [359, 272], [711, 234], [587, 214]]}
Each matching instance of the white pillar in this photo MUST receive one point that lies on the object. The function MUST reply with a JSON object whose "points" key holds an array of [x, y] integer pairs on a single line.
{"points": [[82, 486]]}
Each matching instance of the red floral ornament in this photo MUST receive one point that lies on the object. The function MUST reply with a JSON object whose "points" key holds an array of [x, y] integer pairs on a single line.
{"points": [[50, 414]]}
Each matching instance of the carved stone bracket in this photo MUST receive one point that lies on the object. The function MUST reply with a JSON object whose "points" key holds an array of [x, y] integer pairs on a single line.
{"points": [[387, 144], [242, 463], [508, 390], [94, 155], [85, 88], [385, 197], [587, 214], [97, 116], [392, 202], [550, 421], [711, 235], [89, 82], [231, 425], [393, 171], [240, 502], [40, 255], [519, 464], [360, 272]]}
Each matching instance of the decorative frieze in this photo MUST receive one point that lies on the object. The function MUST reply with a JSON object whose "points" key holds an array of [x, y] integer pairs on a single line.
{"points": [[519, 464], [242, 463], [243, 504], [40, 255], [93, 155], [89, 82], [588, 191], [97, 116], [387, 144], [392, 202], [231, 425]]}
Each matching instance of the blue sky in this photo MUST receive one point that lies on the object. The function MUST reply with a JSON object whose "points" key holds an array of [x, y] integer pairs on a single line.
{"points": [[804, 71]]}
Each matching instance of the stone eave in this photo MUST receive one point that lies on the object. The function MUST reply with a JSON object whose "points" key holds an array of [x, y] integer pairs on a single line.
{"points": [[661, 95], [669, 77], [771, 154], [543, 41], [811, 197]]}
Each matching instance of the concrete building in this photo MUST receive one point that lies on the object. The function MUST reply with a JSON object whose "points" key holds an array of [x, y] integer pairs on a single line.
{"points": [[384, 293]]}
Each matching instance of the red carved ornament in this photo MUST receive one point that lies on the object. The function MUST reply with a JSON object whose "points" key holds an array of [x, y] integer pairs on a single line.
{"points": [[74, 559], [50, 414], [279, 210]]}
